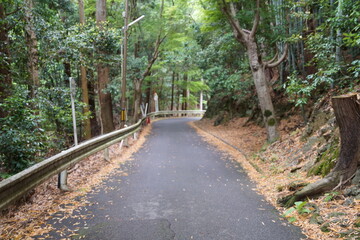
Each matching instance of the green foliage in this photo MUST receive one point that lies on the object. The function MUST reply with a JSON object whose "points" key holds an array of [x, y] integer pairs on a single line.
{"points": [[86, 45], [55, 110], [300, 208], [324, 58], [22, 140], [352, 39], [355, 68], [330, 196], [298, 90], [326, 161]]}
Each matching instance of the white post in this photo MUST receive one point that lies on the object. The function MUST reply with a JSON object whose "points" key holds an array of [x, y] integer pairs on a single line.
{"points": [[156, 100], [62, 182], [72, 96], [146, 108]]}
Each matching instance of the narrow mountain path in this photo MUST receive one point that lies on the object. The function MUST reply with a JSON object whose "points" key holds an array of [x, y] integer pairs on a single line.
{"points": [[177, 187]]}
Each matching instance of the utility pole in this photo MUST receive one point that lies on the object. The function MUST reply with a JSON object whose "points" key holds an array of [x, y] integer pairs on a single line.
{"points": [[124, 62], [123, 67]]}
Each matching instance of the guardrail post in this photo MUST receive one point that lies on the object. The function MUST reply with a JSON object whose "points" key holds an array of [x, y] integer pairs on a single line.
{"points": [[16, 186], [121, 144], [62, 181], [106, 154], [126, 143]]}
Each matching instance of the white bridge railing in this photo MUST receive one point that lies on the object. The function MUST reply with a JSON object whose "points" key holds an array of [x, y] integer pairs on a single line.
{"points": [[16, 186]]}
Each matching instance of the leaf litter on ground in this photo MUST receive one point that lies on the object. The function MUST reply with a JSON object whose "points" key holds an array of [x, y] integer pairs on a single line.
{"points": [[28, 218], [268, 166]]}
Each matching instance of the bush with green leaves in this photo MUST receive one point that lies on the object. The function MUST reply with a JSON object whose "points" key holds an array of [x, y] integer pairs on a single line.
{"points": [[55, 110], [22, 140], [298, 89]]}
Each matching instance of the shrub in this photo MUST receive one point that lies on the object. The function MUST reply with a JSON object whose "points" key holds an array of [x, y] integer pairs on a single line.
{"points": [[21, 138]]}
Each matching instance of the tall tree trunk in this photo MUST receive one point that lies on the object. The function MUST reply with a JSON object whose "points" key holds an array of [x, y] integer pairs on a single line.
{"points": [[172, 90], [137, 100], [95, 127], [148, 96], [32, 48], [84, 82], [263, 90], [248, 39], [85, 99], [106, 114], [67, 73], [179, 100], [347, 112], [5, 73], [147, 72], [184, 93], [178, 93], [339, 14], [201, 98]]}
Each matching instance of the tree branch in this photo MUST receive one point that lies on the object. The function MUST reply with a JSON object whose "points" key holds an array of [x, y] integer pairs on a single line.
{"points": [[231, 17], [13, 12], [256, 20], [282, 58], [273, 59], [159, 40]]}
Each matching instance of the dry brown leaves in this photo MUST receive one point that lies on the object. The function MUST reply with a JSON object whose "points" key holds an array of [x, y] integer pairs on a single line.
{"points": [[249, 139], [28, 218], [271, 171]]}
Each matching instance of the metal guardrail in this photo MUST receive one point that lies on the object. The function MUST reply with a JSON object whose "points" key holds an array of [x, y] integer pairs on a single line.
{"points": [[16, 186]]}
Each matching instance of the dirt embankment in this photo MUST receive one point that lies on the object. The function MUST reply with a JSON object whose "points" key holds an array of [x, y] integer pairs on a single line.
{"points": [[284, 166]]}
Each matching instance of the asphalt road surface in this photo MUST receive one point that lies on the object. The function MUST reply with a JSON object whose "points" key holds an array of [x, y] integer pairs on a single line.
{"points": [[178, 187]]}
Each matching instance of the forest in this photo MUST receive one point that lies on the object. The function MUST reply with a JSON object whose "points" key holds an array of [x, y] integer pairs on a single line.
{"points": [[286, 71], [258, 59]]}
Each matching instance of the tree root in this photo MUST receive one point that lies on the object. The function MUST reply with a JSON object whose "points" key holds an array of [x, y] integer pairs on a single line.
{"points": [[312, 189], [332, 181]]}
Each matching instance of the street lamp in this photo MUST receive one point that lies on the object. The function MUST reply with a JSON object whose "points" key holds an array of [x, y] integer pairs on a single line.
{"points": [[123, 67]]}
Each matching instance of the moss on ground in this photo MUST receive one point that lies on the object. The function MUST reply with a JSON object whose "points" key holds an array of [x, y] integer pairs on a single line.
{"points": [[326, 161]]}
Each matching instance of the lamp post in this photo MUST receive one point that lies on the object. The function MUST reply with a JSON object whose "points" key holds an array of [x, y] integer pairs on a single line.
{"points": [[123, 66]]}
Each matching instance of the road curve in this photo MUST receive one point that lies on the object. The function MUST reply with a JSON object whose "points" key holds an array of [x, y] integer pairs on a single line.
{"points": [[178, 187]]}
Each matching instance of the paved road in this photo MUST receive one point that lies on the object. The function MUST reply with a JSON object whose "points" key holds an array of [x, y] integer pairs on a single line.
{"points": [[179, 187]]}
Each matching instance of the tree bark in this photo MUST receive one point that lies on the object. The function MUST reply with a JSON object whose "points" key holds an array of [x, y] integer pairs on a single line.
{"points": [[84, 82], [33, 53], [172, 91], [263, 91], [248, 39], [95, 127], [347, 113], [339, 14], [137, 99], [148, 97], [184, 93], [106, 114], [5, 73], [138, 82], [85, 99]]}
